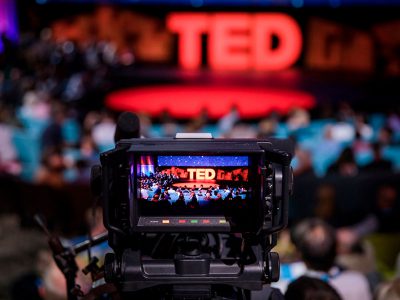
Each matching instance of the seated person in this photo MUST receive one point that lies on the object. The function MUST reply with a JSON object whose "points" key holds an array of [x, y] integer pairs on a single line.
{"points": [[316, 243]]}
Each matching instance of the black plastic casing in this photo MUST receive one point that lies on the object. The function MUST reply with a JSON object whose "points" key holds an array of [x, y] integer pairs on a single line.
{"points": [[273, 180]]}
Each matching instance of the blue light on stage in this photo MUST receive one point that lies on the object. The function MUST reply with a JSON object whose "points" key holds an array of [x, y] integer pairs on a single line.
{"points": [[203, 161]]}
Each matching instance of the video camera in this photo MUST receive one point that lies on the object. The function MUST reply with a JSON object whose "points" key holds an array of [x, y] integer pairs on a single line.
{"points": [[189, 217]]}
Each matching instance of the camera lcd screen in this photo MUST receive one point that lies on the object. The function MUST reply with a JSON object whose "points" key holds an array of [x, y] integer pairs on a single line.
{"points": [[176, 185]]}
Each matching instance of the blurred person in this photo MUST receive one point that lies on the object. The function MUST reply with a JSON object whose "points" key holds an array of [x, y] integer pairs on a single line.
{"points": [[12, 92], [394, 120], [348, 238], [316, 242], [385, 136], [226, 123], [389, 290], [302, 162], [88, 150], [52, 136], [298, 118], [145, 124], [387, 209], [365, 130], [360, 145], [9, 163], [345, 165], [35, 105], [309, 288], [103, 132], [51, 172], [199, 122], [242, 130], [91, 119], [343, 132], [379, 164], [326, 149], [169, 126], [267, 127], [345, 112]]}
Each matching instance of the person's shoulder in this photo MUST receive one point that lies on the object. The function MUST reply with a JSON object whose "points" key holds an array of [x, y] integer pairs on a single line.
{"points": [[351, 285], [353, 279]]}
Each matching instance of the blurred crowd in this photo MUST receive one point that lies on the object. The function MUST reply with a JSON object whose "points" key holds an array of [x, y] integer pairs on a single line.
{"points": [[53, 127], [52, 118]]}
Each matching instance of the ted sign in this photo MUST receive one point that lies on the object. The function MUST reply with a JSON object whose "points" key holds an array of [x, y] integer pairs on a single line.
{"points": [[237, 41]]}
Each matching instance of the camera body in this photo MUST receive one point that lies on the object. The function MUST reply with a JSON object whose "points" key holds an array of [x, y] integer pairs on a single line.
{"points": [[187, 192]]}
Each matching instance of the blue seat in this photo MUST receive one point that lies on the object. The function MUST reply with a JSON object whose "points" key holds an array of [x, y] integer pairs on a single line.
{"points": [[392, 153], [71, 131], [28, 150]]}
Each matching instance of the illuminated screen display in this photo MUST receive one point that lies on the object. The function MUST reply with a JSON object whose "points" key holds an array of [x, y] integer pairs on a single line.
{"points": [[192, 185]]}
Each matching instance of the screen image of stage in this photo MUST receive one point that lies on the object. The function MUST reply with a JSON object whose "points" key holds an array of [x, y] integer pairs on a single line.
{"points": [[193, 182]]}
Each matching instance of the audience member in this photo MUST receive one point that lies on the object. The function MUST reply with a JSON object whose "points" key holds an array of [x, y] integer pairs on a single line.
{"points": [[316, 242], [310, 288], [379, 164], [52, 170], [345, 165], [387, 209]]}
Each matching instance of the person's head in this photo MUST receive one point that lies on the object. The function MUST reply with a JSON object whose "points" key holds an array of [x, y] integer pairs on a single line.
{"points": [[377, 150], [307, 288], [316, 242], [386, 197], [53, 160], [347, 156], [156, 197], [385, 136]]}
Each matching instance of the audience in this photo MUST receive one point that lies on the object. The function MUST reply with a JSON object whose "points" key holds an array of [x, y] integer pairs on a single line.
{"points": [[309, 288], [53, 127], [316, 243]]}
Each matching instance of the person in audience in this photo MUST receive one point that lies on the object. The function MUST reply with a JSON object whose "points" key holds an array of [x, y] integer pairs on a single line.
{"points": [[316, 243], [379, 164], [387, 209], [385, 136], [310, 288], [345, 165], [52, 170]]}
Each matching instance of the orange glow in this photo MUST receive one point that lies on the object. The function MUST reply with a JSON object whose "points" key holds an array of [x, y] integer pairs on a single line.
{"points": [[189, 27], [237, 41], [229, 42]]}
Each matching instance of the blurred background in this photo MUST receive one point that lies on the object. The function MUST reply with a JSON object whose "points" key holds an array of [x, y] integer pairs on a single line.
{"points": [[325, 73]]}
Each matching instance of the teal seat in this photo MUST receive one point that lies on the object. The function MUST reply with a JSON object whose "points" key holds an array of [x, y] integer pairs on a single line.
{"points": [[28, 150]]}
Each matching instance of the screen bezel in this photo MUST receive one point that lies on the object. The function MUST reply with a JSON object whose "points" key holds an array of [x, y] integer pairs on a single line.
{"points": [[140, 223]]}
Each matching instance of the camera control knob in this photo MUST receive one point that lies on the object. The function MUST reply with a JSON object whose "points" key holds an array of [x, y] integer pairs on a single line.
{"points": [[272, 267]]}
